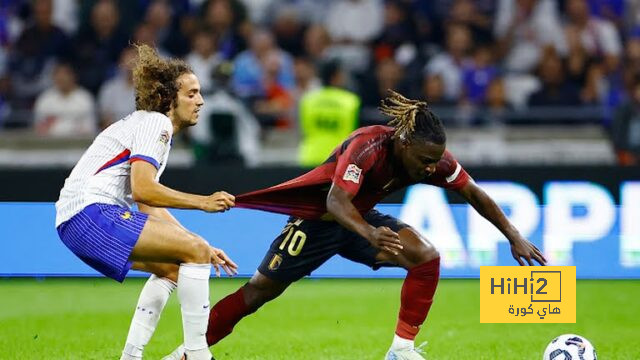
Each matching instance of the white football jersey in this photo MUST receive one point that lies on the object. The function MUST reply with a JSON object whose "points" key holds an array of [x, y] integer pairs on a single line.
{"points": [[103, 174]]}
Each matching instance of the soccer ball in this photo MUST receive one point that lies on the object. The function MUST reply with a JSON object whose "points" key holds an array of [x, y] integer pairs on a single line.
{"points": [[570, 347]]}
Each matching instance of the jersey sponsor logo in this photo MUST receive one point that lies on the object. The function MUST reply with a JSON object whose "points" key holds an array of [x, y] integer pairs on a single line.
{"points": [[352, 174], [126, 215], [164, 137], [275, 262]]}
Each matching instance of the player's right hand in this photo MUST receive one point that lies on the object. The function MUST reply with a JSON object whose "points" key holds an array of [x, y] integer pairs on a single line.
{"points": [[218, 202], [386, 239]]}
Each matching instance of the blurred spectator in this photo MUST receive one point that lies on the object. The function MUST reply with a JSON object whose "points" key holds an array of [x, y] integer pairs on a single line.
{"points": [[399, 28], [116, 98], [478, 74], [317, 43], [65, 15], [248, 77], [497, 109], [306, 78], [449, 63], [610, 10], [259, 11], [227, 19], [631, 60], [144, 34], [352, 25], [289, 30], [275, 106], [327, 116], [65, 110], [523, 28], [355, 21], [598, 37], [97, 48], [555, 91], [203, 59], [595, 85], [32, 57], [466, 12], [161, 19], [5, 106], [625, 131], [227, 130], [388, 75], [11, 21], [578, 59], [433, 91]]}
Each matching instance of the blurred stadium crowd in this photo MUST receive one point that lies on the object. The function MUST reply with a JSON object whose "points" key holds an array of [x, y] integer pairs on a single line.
{"points": [[64, 64]]}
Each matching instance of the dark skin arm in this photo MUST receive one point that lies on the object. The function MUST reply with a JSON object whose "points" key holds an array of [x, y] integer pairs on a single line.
{"points": [[485, 206], [340, 206]]}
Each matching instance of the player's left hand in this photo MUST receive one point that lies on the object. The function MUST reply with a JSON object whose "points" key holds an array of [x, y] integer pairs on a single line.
{"points": [[522, 248], [220, 259]]}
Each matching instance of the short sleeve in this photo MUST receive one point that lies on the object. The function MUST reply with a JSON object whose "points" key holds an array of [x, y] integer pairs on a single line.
{"points": [[359, 156], [151, 139], [449, 174]]}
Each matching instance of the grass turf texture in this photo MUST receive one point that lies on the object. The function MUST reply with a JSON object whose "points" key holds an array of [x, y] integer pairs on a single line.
{"points": [[313, 319]]}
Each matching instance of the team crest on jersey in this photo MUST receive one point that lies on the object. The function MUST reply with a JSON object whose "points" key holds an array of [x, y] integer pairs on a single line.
{"points": [[126, 215], [275, 262], [164, 137], [352, 174]]}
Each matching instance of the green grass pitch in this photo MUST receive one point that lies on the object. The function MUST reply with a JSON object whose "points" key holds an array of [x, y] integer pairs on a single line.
{"points": [[314, 319]]}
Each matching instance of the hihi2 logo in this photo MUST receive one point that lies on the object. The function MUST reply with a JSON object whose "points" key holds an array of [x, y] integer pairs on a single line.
{"points": [[519, 294]]}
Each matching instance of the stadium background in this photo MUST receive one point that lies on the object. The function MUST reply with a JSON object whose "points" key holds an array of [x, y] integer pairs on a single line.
{"points": [[541, 103]]}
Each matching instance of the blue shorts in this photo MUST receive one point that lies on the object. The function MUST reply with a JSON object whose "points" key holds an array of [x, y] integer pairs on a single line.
{"points": [[103, 236]]}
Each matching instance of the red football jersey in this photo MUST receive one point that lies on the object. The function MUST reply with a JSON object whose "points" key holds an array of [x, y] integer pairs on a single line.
{"points": [[362, 165]]}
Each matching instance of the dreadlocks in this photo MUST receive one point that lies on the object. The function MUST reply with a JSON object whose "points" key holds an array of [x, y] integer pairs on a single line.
{"points": [[412, 119]]}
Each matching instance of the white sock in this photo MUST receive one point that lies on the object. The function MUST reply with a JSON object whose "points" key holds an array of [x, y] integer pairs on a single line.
{"points": [[193, 293], [153, 298], [401, 343]]}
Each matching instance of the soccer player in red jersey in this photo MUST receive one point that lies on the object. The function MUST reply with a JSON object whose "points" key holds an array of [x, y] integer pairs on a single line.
{"points": [[331, 210]]}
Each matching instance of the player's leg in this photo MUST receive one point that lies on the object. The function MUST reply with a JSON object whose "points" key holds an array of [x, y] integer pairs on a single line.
{"points": [[161, 241], [151, 302], [299, 249], [227, 312], [422, 261]]}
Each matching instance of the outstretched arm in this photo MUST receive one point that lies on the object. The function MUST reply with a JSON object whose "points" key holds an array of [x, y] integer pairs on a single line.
{"points": [[340, 206], [148, 191], [485, 206]]}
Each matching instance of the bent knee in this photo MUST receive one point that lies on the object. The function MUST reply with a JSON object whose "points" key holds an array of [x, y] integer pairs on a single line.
{"points": [[197, 251], [418, 250], [261, 289]]}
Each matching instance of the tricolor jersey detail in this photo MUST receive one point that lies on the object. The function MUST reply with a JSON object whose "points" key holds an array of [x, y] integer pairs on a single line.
{"points": [[103, 173]]}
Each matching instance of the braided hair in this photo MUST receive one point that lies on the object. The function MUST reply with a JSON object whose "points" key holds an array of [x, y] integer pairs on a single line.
{"points": [[412, 119]]}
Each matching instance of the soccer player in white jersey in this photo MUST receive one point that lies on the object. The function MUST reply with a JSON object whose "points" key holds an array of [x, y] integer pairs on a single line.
{"points": [[96, 221]]}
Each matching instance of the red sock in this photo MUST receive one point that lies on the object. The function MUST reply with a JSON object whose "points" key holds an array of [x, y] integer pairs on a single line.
{"points": [[417, 297], [225, 315]]}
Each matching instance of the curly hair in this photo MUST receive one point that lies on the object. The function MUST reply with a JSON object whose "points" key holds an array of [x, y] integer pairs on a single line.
{"points": [[155, 80], [412, 119]]}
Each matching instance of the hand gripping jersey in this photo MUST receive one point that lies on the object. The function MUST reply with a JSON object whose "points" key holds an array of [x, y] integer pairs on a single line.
{"points": [[362, 165], [103, 174]]}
